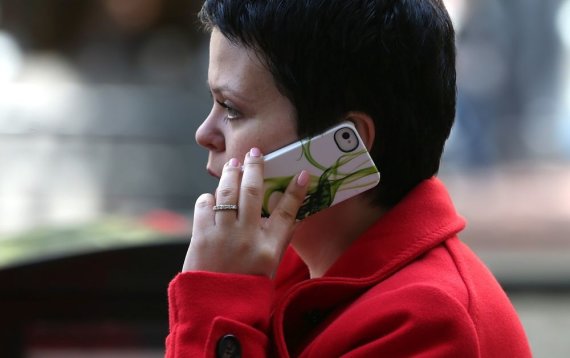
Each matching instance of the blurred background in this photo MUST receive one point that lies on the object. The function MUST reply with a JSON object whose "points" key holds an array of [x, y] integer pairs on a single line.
{"points": [[99, 170]]}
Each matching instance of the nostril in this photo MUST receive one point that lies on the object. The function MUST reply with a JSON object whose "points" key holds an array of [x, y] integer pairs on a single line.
{"points": [[212, 147], [210, 136], [211, 142]]}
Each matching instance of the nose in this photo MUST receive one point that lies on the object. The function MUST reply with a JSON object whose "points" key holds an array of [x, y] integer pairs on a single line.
{"points": [[210, 136]]}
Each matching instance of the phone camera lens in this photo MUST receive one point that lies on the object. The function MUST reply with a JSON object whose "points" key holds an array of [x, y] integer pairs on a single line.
{"points": [[346, 139]]}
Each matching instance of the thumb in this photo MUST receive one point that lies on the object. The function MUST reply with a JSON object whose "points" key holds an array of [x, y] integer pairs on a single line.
{"points": [[283, 217]]}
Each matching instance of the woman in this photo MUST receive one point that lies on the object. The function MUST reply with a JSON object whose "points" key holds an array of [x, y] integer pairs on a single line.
{"points": [[380, 274]]}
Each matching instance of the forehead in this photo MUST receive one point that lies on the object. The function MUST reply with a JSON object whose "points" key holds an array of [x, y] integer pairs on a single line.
{"points": [[233, 67]]}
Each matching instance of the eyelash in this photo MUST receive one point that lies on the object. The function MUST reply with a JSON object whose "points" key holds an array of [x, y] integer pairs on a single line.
{"points": [[232, 113]]}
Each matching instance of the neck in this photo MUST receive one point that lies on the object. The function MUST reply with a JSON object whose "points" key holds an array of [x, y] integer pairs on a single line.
{"points": [[322, 238]]}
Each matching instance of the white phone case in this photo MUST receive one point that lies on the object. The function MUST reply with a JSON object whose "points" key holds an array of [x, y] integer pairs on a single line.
{"points": [[339, 165]]}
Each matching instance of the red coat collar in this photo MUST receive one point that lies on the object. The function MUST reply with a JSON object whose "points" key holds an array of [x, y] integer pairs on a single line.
{"points": [[422, 220]]}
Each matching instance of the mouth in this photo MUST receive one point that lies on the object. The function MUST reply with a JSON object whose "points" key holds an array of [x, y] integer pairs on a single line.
{"points": [[212, 173]]}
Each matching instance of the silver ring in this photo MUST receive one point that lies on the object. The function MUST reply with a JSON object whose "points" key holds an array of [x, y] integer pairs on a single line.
{"points": [[224, 207]]}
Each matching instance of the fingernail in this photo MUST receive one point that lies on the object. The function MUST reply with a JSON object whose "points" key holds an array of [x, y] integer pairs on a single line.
{"points": [[255, 152], [234, 162], [303, 178]]}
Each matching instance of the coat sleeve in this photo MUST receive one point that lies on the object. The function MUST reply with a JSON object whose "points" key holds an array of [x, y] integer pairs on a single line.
{"points": [[206, 308]]}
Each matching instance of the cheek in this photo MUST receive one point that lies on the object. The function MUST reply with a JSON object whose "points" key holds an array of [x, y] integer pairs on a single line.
{"points": [[278, 138], [252, 136], [267, 138], [238, 149]]}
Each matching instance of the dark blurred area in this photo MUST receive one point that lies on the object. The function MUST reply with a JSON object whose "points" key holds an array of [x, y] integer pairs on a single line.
{"points": [[111, 41], [99, 170]]}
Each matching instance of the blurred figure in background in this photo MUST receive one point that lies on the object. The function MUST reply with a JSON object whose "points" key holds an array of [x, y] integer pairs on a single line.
{"points": [[505, 92]]}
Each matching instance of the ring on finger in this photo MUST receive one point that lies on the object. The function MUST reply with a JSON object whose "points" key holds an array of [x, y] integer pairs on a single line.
{"points": [[225, 207]]}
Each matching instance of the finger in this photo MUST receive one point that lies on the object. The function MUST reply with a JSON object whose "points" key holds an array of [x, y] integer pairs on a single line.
{"points": [[283, 218], [251, 188], [227, 192], [203, 214]]}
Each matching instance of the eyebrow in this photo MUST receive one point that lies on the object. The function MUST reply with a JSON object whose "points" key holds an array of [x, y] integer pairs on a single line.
{"points": [[223, 89]]}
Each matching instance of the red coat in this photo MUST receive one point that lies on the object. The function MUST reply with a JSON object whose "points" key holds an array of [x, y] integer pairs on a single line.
{"points": [[407, 287]]}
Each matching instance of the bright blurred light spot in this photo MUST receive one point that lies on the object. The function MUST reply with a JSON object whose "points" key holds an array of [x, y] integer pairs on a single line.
{"points": [[40, 98], [563, 124], [563, 23], [456, 10], [50, 69], [10, 58]]}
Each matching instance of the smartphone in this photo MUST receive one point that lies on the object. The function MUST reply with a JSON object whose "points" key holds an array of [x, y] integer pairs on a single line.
{"points": [[337, 161]]}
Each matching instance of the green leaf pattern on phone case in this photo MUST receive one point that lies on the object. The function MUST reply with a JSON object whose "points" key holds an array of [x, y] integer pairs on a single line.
{"points": [[322, 189]]}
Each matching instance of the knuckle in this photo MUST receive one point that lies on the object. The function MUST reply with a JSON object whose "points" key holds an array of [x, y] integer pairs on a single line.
{"points": [[295, 193], [225, 192], [254, 163], [204, 201], [243, 247], [252, 191], [285, 215], [230, 168], [256, 166]]}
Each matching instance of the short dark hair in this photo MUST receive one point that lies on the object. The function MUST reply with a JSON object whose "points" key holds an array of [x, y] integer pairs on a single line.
{"points": [[391, 59]]}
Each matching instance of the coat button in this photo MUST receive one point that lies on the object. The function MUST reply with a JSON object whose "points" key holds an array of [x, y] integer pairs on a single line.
{"points": [[229, 347]]}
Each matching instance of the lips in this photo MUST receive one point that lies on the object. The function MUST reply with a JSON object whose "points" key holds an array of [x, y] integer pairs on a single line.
{"points": [[211, 172]]}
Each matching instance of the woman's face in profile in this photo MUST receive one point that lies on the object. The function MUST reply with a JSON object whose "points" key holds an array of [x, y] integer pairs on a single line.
{"points": [[248, 110]]}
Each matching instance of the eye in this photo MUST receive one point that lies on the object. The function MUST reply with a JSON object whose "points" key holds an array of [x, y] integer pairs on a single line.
{"points": [[231, 113]]}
